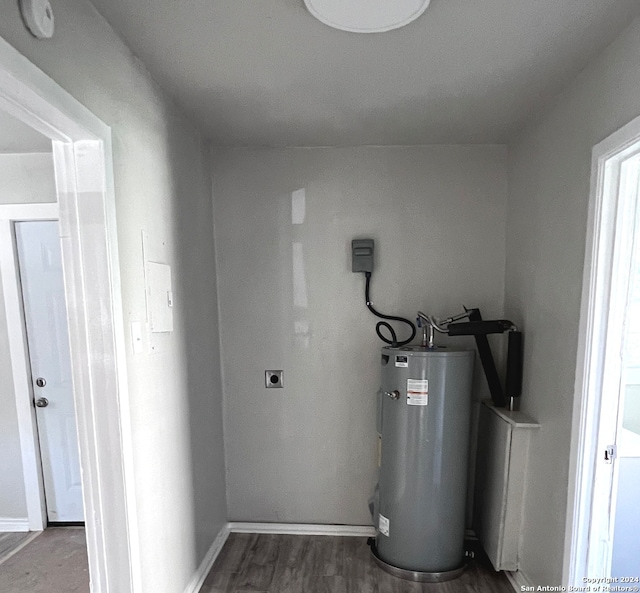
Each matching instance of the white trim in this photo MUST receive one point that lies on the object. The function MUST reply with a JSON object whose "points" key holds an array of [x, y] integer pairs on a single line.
{"points": [[198, 578], [303, 529], [9, 525], [29, 211], [606, 159], [84, 180], [518, 581]]}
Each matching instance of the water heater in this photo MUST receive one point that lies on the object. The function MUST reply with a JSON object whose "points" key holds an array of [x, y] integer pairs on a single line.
{"points": [[423, 420], [424, 415]]}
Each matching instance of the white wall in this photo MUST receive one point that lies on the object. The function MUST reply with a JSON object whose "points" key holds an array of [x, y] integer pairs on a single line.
{"points": [[549, 175], [162, 186], [27, 178], [306, 453]]}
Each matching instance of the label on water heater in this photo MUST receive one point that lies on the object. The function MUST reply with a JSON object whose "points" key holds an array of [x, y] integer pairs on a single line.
{"points": [[417, 392], [383, 525], [402, 361]]}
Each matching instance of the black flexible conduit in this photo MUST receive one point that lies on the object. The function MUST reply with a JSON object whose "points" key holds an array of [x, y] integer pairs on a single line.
{"points": [[394, 338]]}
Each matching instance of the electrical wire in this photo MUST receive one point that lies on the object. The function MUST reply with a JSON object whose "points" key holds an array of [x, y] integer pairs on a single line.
{"points": [[394, 337]]}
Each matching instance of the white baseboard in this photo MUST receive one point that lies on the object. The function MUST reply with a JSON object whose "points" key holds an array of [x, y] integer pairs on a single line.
{"points": [[518, 581], [8, 524], [303, 529], [195, 584]]}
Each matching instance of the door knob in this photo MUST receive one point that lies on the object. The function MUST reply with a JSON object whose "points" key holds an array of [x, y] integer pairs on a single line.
{"points": [[40, 382], [42, 402]]}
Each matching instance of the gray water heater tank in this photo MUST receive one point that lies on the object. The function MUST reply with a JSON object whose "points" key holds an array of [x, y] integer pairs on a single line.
{"points": [[424, 410]]}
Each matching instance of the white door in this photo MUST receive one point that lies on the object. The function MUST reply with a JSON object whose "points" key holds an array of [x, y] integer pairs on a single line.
{"points": [[40, 264]]}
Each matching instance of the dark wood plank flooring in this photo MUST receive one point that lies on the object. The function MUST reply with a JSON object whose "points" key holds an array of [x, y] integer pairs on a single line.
{"points": [[323, 564]]}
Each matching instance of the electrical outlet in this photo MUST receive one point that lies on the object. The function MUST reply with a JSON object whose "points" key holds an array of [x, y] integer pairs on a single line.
{"points": [[273, 379]]}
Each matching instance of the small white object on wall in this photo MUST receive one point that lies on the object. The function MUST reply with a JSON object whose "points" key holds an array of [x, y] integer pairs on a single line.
{"points": [[136, 337], [38, 16], [160, 297]]}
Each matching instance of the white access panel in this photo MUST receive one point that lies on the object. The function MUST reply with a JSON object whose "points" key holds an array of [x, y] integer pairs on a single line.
{"points": [[40, 265], [159, 291], [501, 469]]}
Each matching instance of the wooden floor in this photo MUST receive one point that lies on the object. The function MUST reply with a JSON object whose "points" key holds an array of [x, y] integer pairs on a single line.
{"points": [[9, 542], [53, 562], [324, 564]]}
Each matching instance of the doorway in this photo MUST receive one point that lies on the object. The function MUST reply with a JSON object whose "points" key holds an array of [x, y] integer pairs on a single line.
{"points": [[45, 317], [602, 518], [86, 210]]}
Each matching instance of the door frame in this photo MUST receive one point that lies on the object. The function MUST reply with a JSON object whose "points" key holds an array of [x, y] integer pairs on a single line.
{"points": [[83, 166], [594, 329], [19, 354]]}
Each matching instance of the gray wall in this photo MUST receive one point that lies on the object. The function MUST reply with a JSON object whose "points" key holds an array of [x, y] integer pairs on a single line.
{"points": [[288, 300], [549, 176], [27, 178], [162, 186]]}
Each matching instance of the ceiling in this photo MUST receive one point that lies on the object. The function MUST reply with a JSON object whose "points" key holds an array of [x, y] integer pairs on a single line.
{"points": [[267, 73], [16, 137]]}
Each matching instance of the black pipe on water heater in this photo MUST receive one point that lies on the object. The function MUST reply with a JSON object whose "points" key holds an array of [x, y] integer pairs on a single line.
{"points": [[513, 384], [480, 329]]}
